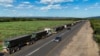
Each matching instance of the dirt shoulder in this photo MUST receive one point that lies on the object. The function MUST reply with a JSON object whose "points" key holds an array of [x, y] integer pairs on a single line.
{"points": [[82, 44]]}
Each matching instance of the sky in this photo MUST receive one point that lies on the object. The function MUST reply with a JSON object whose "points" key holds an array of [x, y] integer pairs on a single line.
{"points": [[49, 8]]}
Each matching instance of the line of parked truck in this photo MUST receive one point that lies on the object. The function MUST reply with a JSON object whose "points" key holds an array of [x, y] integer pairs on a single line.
{"points": [[14, 44]]}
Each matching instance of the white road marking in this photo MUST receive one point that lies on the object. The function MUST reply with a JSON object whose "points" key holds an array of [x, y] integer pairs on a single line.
{"points": [[62, 34], [43, 46], [39, 48]]}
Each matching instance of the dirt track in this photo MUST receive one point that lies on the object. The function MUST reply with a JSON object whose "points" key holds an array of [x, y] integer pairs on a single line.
{"points": [[82, 44]]}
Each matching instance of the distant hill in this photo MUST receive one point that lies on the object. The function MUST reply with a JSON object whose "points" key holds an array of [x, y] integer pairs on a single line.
{"points": [[9, 19], [95, 17]]}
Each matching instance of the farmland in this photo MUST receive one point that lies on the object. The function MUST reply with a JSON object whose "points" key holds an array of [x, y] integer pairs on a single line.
{"points": [[12, 29]]}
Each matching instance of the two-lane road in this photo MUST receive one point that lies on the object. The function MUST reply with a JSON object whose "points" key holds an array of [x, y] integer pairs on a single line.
{"points": [[47, 47]]}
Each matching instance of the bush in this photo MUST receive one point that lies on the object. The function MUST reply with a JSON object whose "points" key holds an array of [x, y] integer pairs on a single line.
{"points": [[95, 24], [97, 38]]}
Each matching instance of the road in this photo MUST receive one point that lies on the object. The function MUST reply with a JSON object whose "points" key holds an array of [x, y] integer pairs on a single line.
{"points": [[82, 43], [47, 47]]}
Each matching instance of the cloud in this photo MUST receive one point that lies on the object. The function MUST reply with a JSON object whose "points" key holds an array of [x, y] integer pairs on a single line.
{"points": [[96, 5], [11, 11], [24, 5], [54, 1], [14, 11], [26, 2], [76, 8], [86, 9], [51, 6], [9, 5], [6, 3], [65, 7]]}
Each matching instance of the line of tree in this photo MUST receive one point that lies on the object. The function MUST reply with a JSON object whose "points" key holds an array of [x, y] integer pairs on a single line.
{"points": [[10, 19]]}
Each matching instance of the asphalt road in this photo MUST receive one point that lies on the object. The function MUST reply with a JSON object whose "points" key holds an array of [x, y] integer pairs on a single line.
{"points": [[47, 47]]}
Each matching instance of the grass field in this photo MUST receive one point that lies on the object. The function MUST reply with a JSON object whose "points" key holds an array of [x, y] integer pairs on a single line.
{"points": [[12, 29]]}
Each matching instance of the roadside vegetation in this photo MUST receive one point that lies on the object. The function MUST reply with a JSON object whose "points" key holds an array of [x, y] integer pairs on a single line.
{"points": [[11, 29], [96, 26], [95, 23]]}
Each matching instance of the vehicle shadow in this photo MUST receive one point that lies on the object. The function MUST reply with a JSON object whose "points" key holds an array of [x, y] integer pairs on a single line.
{"points": [[1, 54]]}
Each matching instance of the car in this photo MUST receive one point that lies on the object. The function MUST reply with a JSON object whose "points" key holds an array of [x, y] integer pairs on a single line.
{"points": [[57, 39]]}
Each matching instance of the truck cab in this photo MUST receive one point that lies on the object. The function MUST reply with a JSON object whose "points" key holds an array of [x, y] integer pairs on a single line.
{"points": [[49, 31], [6, 46]]}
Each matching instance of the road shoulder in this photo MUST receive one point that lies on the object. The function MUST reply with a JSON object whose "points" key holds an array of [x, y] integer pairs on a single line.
{"points": [[82, 44]]}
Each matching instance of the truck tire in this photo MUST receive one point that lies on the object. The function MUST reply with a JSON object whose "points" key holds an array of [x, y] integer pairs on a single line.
{"points": [[17, 49], [13, 50], [33, 42], [10, 51]]}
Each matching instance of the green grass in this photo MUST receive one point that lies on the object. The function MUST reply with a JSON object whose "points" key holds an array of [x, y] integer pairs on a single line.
{"points": [[95, 23], [1, 47], [12, 29], [96, 27]]}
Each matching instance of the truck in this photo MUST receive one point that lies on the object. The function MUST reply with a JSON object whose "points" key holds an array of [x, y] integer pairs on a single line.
{"points": [[14, 44], [49, 31], [69, 26], [59, 28], [39, 35]]}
